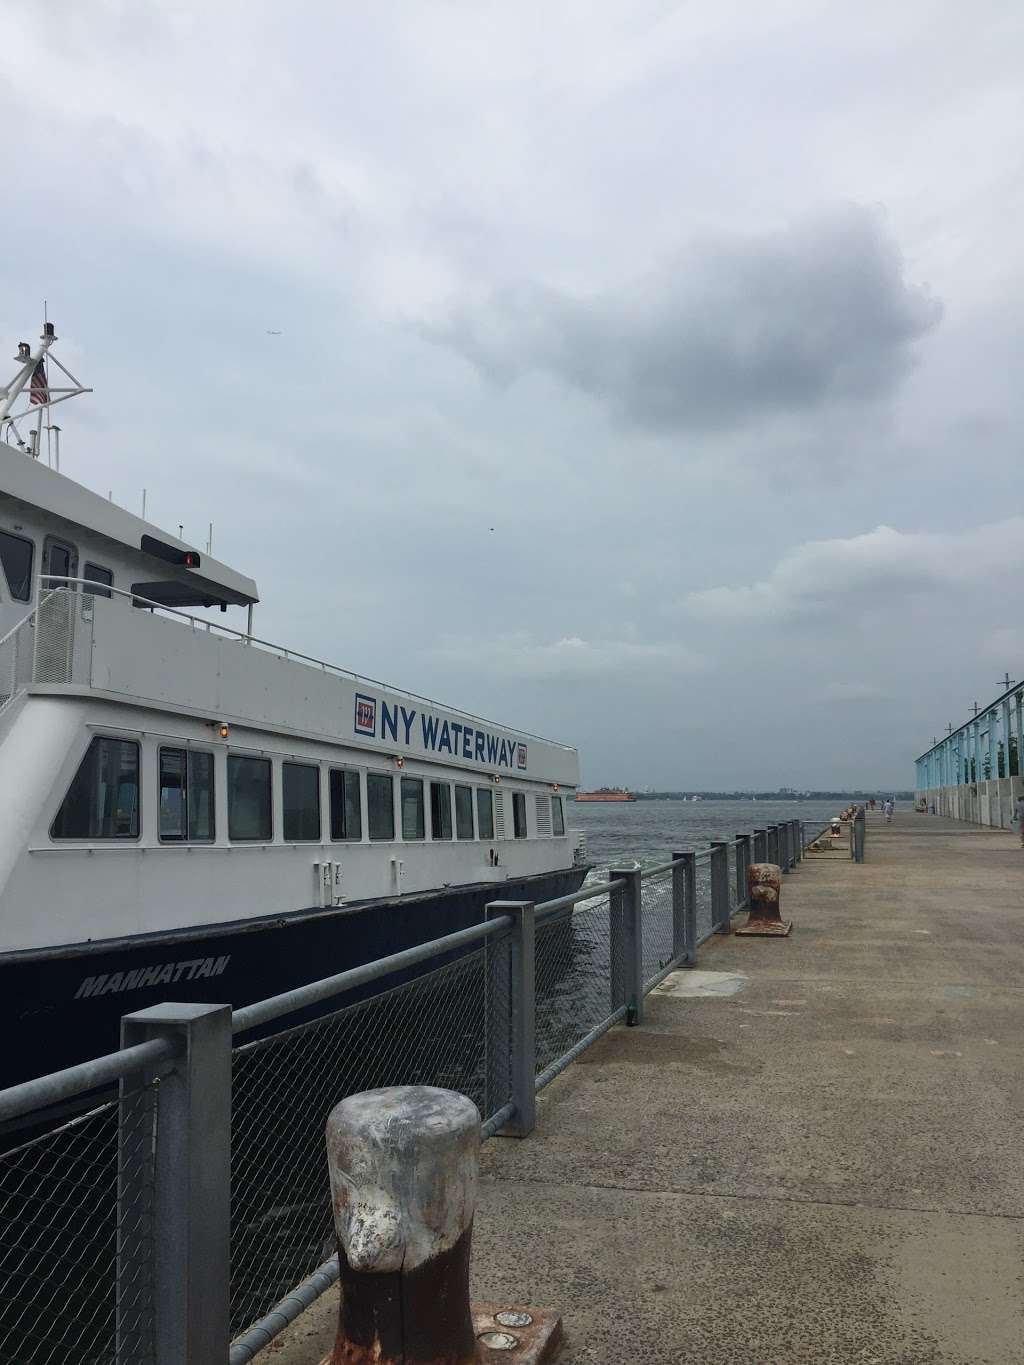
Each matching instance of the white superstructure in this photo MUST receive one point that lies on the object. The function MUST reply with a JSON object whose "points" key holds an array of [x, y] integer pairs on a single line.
{"points": [[161, 771]]}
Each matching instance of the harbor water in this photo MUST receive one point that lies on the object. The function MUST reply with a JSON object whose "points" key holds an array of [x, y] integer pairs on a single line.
{"points": [[650, 831]]}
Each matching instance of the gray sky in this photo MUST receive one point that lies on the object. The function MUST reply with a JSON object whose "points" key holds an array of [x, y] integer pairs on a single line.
{"points": [[649, 373]]}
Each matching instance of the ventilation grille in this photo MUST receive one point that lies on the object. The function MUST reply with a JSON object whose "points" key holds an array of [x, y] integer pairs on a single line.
{"points": [[543, 807], [499, 815]]}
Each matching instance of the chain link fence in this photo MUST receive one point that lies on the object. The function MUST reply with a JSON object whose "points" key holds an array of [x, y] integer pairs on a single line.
{"points": [[64, 1213], [77, 1203]]}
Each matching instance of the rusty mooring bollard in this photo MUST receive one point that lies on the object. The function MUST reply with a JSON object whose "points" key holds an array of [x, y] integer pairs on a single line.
{"points": [[403, 1165], [764, 890]]}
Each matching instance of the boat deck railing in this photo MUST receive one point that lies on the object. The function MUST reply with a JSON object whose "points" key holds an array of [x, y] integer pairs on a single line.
{"points": [[52, 644], [213, 1142]]}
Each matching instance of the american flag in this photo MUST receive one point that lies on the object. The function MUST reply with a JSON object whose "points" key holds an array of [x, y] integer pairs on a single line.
{"points": [[38, 389]]}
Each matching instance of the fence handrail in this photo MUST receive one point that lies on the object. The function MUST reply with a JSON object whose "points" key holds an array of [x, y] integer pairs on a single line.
{"points": [[585, 893], [21, 1099], [263, 1011]]}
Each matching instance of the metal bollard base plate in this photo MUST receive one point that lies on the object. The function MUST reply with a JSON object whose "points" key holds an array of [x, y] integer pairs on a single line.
{"points": [[764, 928], [536, 1341], [513, 1334]]}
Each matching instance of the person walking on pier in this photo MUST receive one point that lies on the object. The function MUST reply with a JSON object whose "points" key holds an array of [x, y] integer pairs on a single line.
{"points": [[1018, 816], [887, 810]]}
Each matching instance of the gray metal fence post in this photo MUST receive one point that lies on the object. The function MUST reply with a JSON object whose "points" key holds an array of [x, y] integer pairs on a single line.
{"points": [[785, 856], [760, 845], [798, 840], [744, 857], [772, 844], [680, 949], [522, 1041], [721, 911], [191, 1197], [688, 883], [627, 949]]}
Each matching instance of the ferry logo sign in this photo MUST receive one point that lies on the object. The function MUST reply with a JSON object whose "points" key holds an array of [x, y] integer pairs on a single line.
{"points": [[366, 714], [521, 756]]}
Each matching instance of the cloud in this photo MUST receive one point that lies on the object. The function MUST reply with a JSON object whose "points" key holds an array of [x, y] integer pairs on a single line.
{"points": [[516, 655], [728, 331], [853, 692], [881, 567]]}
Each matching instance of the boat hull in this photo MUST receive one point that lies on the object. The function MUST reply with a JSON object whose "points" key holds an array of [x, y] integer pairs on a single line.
{"points": [[64, 1005]]}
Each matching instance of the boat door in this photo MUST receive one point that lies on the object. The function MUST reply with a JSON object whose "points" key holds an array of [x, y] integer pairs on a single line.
{"points": [[56, 615]]}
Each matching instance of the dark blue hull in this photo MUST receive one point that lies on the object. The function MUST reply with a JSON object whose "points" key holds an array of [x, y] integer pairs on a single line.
{"points": [[64, 1005]]}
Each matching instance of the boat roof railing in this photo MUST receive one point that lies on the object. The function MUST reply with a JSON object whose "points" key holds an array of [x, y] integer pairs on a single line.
{"points": [[57, 582]]}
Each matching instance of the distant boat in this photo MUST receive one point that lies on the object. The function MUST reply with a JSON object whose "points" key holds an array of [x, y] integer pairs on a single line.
{"points": [[606, 794]]}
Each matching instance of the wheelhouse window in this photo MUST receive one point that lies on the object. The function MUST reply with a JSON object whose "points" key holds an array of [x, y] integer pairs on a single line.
{"points": [[519, 814], [440, 810], [380, 805], [103, 799], [96, 575], [16, 559], [186, 796], [414, 825], [346, 804], [485, 812], [300, 802], [464, 812], [557, 816], [250, 816]]}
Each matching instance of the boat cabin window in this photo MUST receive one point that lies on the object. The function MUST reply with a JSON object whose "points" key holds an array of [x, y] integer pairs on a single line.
{"points": [[440, 810], [16, 558], [519, 814], [413, 815], [485, 812], [60, 560], [103, 799], [464, 812], [96, 575], [186, 796], [557, 816], [300, 803], [380, 805], [346, 804], [249, 807]]}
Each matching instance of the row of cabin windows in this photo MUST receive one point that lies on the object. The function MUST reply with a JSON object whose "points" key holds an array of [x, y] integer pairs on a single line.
{"points": [[60, 560], [103, 801]]}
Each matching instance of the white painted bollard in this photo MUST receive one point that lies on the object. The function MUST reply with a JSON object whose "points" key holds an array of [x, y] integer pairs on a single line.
{"points": [[403, 1166]]}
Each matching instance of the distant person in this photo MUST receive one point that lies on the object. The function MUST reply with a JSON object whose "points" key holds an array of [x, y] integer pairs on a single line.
{"points": [[871, 803], [887, 810], [1018, 817]]}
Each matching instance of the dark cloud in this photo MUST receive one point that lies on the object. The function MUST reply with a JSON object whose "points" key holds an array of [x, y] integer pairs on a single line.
{"points": [[728, 331]]}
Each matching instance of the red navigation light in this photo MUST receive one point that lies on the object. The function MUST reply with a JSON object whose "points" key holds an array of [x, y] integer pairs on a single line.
{"points": [[191, 560]]}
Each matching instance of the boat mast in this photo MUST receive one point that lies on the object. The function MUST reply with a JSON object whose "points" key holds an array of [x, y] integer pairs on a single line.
{"points": [[27, 361]]}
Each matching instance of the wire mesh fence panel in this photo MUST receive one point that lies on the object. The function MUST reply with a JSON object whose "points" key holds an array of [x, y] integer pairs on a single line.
{"points": [[705, 924], [573, 966], [442, 1028], [60, 1230], [656, 924]]}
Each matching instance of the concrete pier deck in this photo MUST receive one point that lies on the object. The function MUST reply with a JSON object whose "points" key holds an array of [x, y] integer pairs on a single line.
{"points": [[826, 1165]]}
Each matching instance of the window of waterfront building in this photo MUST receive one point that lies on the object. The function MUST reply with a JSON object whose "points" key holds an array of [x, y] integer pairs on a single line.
{"points": [[186, 796], [300, 802], [485, 812], [464, 812], [250, 815], [414, 821], [380, 806], [557, 816], [346, 804], [440, 810], [519, 814], [96, 574], [103, 799], [16, 558]]}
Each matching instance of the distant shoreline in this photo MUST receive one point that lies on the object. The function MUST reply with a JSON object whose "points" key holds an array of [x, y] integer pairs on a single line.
{"points": [[880, 793]]}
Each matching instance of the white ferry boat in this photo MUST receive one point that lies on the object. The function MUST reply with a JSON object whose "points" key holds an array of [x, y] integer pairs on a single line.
{"points": [[193, 813]]}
